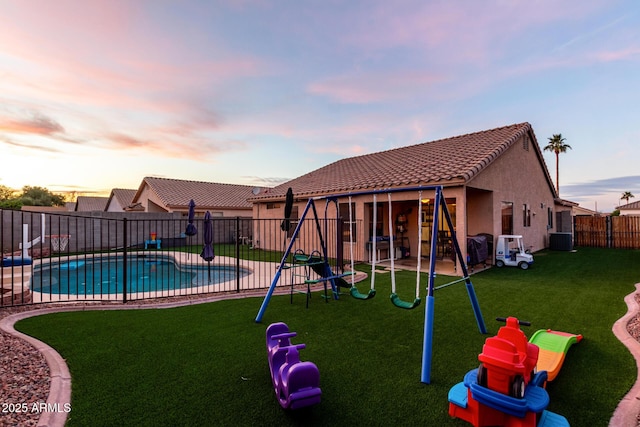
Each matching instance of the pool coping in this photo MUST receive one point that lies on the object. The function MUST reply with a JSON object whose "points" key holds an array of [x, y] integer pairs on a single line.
{"points": [[625, 414]]}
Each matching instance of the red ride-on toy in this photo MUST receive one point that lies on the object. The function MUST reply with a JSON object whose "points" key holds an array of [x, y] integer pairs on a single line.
{"points": [[508, 360]]}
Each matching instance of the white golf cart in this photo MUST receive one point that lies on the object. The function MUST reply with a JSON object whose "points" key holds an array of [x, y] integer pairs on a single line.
{"points": [[510, 251]]}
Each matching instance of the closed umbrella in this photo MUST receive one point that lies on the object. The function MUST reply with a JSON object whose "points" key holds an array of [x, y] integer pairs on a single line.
{"points": [[191, 228], [288, 207], [207, 250]]}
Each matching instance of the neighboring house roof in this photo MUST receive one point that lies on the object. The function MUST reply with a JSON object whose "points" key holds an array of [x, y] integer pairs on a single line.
{"points": [[91, 203], [450, 161], [122, 196], [580, 211], [176, 193], [633, 205], [567, 203]]}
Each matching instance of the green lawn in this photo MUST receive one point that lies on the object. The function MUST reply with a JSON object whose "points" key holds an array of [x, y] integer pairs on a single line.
{"points": [[206, 364]]}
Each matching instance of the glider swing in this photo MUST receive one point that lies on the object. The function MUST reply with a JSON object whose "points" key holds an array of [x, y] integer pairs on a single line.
{"points": [[319, 262]]}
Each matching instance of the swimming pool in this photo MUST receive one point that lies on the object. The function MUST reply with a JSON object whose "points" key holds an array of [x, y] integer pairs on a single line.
{"points": [[105, 275]]}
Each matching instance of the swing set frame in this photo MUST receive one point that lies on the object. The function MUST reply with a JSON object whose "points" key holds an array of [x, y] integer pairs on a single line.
{"points": [[330, 277]]}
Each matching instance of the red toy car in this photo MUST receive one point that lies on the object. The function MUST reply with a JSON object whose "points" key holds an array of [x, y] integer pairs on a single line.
{"points": [[508, 360]]}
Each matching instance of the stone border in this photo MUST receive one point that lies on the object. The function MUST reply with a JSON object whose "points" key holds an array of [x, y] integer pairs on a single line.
{"points": [[60, 385], [626, 414]]}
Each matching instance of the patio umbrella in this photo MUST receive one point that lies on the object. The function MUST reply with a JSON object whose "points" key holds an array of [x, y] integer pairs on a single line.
{"points": [[207, 250], [288, 207], [191, 228]]}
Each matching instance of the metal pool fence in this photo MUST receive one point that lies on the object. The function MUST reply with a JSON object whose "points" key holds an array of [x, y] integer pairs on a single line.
{"points": [[90, 252]]}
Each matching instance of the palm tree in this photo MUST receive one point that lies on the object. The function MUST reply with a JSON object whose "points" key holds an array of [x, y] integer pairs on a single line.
{"points": [[557, 145], [626, 196]]}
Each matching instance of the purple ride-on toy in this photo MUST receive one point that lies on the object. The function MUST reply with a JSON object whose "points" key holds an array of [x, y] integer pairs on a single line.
{"points": [[296, 383]]}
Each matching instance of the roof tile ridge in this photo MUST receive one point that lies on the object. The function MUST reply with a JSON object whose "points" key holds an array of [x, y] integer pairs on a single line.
{"points": [[521, 129]]}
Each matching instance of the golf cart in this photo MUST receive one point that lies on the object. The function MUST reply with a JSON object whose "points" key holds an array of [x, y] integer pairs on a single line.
{"points": [[510, 252]]}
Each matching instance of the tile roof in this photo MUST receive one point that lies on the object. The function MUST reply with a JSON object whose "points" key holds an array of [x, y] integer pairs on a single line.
{"points": [[453, 160], [91, 204], [177, 193], [124, 196], [632, 205]]}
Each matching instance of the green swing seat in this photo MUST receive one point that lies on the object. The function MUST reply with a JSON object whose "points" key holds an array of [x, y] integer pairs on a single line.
{"points": [[356, 294], [395, 299]]}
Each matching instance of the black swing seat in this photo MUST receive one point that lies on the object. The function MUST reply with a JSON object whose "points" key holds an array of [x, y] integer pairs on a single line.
{"points": [[356, 294], [395, 299]]}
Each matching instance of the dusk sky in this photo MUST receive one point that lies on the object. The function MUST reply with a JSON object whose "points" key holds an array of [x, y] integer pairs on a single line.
{"points": [[98, 94]]}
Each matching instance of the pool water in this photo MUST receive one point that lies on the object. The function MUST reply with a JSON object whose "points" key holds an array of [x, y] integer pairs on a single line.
{"points": [[100, 276]]}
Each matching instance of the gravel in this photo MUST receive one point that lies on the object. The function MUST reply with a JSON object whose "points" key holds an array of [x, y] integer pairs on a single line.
{"points": [[25, 375], [24, 380]]}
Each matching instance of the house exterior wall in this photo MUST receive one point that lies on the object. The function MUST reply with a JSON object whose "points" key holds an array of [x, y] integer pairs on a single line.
{"points": [[517, 176], [114, 206], [272, 238], [150, 201]]}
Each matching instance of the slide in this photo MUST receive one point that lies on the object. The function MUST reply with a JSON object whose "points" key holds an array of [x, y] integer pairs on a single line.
{"points": [[554, 346], [320, 270]]}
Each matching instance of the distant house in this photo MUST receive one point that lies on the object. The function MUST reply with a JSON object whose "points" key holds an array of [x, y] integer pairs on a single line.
{"points": [[582, 211], [495, 182], [630, 209], [91, 204], [173, 195], [121, 200]]}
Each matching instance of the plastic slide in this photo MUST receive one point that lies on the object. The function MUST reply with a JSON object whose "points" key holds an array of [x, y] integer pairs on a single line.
{"points": [[554, 346]]}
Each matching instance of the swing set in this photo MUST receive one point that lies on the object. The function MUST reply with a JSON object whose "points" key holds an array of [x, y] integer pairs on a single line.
{"points": [[337, 280]]}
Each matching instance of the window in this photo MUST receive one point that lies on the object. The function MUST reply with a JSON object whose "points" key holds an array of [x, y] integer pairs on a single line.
{"points": [[507, 217], [348, 223], [526, 215], [549, 218]]}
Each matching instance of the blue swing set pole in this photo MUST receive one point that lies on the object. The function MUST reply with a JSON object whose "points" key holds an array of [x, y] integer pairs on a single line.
{"points": [[276, 278], [470, 291], [427, 350]]}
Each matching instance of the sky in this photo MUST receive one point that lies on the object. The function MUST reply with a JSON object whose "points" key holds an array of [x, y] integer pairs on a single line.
{"points": [[96, 95]]}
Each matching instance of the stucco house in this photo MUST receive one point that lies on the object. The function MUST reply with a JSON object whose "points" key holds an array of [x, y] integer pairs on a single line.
{"points": [[630, 209], [120, 200], [494, 181], [174, 195]]}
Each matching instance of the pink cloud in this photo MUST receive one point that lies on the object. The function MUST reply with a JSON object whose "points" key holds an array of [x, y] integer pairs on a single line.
{"points": [[28, 146], [455, 33], [35, 124], [114, 57], [619, 55], [374, 87]]}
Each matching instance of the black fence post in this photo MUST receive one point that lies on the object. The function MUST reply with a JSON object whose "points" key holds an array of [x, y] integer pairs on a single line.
{"points": [[124, 260]]}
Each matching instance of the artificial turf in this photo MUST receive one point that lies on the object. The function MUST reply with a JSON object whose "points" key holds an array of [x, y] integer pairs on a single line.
{"points": [[206, 364]]}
